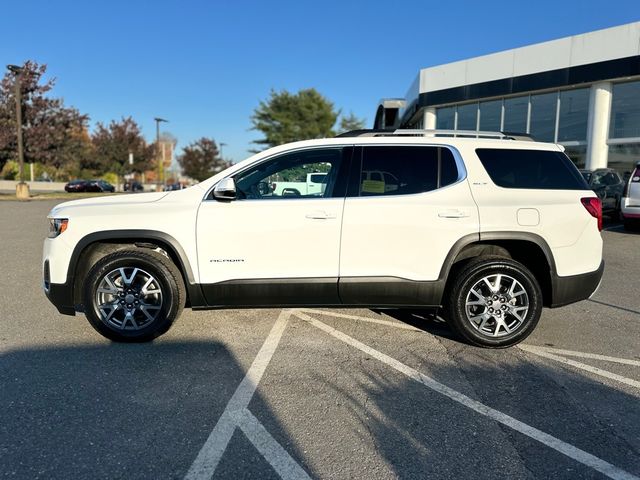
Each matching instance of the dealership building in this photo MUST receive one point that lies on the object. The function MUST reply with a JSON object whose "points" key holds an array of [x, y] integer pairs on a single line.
{"points": [[582, 92]]}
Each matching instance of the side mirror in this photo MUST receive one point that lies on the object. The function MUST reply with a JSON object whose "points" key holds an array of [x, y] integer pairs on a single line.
{"points": [[225, 190]]}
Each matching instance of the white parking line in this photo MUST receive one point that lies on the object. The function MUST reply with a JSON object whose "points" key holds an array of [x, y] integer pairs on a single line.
{"points": [[593, 356], [237, 415], [270, 449], [379, 321], [582, 366], [567, 449]]}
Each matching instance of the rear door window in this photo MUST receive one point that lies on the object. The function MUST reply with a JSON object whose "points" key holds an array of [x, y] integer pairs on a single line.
{"points": [[532, 169], [405, 170]]}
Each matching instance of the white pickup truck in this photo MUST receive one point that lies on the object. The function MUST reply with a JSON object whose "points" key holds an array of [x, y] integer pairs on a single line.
{"points": [[315, 184]]}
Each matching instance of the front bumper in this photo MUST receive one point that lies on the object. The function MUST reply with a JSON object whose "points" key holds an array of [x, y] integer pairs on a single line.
{"points": [[571, 289], [61, 295]]}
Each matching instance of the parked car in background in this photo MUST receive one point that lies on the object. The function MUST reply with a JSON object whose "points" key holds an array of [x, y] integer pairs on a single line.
{"points": [[630, 203], [89, 186], [99, 186], [133, 187], [171, 187], [313, 184], [76, 186], [608, 185]]}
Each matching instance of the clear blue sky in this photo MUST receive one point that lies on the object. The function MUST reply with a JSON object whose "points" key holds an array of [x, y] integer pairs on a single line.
{"points": [[205, 65]]}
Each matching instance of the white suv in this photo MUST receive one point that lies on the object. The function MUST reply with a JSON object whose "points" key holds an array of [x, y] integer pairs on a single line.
{"points": [[486, 230], [630, 202]]}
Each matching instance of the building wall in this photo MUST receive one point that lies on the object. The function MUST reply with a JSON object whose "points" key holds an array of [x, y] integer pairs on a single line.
{"points": [[581, 91], [611, 43]]}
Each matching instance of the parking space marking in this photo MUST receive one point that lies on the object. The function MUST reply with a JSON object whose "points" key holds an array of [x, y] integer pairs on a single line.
{"points": [[270, 449], [379, 321], [236, 415], [582, 366], [593, 356], [567, 449]]}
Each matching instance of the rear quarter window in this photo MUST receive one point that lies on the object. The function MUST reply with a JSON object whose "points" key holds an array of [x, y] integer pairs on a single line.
{"points": [[532, 169]]}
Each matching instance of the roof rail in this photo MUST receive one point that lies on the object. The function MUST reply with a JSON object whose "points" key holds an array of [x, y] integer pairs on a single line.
{"points": [[366, 132], [438, 133]]}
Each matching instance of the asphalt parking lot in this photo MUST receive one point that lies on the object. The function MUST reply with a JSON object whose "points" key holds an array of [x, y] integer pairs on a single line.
{"points": [[315, 393]]}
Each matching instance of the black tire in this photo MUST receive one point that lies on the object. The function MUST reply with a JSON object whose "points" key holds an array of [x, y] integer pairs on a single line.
{"points": [[167, 304], [468, 276]]}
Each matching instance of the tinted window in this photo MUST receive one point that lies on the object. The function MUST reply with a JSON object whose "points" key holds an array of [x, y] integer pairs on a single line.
{"points": [[574, 110], [625, 110], [515, 114], [543, 116], [445, 118], [467, 117], [303, 174], [537, 169], [318, 178], [490, 115], [405, 170]]}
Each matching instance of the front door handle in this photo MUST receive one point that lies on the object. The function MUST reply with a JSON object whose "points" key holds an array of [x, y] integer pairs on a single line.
{"points": [[453, 214], [320, 215]]}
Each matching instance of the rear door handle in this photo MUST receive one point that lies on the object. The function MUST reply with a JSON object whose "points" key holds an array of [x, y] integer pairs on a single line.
{"points": [[320, 215], [453, 214]]}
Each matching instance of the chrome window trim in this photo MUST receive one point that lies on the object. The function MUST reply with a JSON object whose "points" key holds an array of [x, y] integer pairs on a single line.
{"points": [[457, 157]]}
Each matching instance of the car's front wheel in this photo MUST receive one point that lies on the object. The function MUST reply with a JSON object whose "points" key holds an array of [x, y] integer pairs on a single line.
{"points": [[494, 302], [133, 295]]}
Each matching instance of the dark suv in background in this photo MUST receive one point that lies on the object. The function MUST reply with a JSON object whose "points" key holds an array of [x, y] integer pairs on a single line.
{"points": [[608, 185]]}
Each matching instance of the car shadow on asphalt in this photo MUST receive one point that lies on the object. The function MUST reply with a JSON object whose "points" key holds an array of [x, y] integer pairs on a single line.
{"points": [[121, 411], [426, 320], [422, 434]]}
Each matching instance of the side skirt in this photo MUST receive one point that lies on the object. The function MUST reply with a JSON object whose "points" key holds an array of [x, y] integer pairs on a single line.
{"points": [[373, 292]]}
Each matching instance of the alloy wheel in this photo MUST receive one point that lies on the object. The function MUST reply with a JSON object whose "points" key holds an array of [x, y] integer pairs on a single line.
{"points": [[497, 305], [128, 298]]}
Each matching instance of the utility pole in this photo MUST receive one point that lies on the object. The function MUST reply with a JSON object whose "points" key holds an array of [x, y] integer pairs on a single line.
{"points": [[221, 157], [22, 189], [158, 153]]}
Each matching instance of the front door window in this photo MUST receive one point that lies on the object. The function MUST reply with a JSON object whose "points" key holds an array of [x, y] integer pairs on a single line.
{"points": [[304, 174]]}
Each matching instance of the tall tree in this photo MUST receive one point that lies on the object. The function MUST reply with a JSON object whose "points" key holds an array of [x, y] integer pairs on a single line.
{"points": [[201, 159], [114, 142], [54, 135], [287, 117], [351, 122]]}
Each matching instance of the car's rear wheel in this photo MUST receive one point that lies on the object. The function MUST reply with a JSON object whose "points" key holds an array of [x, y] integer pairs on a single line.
{"points": [[133, 295], [494, 302]]}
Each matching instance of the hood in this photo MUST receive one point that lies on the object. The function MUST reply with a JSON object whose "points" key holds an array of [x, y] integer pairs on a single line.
{"points": [[117, 200]]}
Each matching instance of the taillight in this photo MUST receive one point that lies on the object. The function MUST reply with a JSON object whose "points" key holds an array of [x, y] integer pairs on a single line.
{"points": [[594, 207]]}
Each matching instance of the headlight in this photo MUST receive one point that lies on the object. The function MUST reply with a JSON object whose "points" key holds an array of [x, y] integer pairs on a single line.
{"points": [[57, 226]]}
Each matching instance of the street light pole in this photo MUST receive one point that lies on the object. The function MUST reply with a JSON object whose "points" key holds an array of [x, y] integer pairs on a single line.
{"points": [[22, 189], [222, 145], [158, 153]]}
